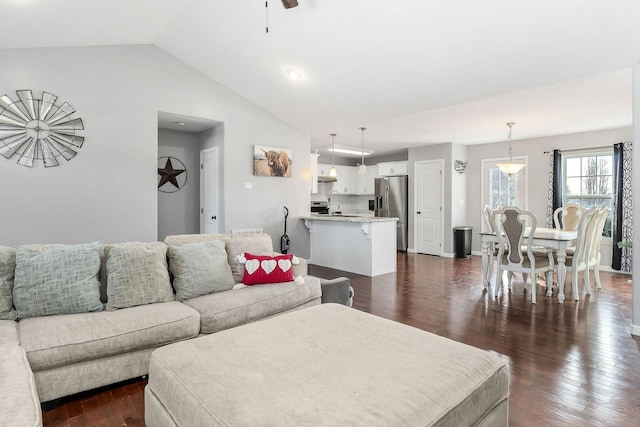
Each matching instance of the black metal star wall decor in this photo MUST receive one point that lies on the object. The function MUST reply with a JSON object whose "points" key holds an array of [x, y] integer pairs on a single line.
{"points": [[176, 177]]}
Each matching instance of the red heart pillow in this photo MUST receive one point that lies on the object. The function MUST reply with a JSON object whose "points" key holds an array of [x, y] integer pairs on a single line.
{"points": [[260, 269]]}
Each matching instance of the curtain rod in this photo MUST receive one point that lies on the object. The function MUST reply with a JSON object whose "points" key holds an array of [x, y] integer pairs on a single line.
{"points": [[576, 150]]}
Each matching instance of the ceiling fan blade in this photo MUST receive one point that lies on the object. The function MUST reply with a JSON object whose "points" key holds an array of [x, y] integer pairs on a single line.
{"points": [[288, 4]]}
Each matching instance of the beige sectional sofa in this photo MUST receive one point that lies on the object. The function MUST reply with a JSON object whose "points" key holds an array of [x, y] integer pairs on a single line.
{"points": [[50, 350]]}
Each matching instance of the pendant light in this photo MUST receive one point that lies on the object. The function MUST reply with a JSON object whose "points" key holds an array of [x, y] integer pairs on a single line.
{"points": [[333, 171], [510, 167], [362, 169]]}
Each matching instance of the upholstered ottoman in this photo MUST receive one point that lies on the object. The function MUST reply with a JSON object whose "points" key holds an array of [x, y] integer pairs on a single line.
{"points": [[325, 365]]}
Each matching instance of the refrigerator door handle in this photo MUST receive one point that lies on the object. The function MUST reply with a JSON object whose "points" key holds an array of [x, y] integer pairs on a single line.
{"points": [[386, 196]]}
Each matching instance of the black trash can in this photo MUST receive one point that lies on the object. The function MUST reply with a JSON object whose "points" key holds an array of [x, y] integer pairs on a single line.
{"points": [[462, 241]]}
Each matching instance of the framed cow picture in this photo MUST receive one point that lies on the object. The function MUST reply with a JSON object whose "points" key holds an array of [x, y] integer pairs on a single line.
{"points": [[272, 161]]}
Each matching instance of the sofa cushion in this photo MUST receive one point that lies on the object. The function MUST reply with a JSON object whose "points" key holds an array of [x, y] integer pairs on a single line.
{"points": [[57, 280], [261, 269], [232, 308], [238, 244], [62, 340], [137, 274], [183, 239], [19, 406], [7, 268], [9, 333], [199, 269]]}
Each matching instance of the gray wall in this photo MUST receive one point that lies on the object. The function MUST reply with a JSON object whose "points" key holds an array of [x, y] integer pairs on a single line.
{"points": [[398, 156], [179, 212], [434, 152], [109, 191], [458, 187]]}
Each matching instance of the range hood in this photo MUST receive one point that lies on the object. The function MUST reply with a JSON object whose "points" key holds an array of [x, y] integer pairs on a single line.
{"points": [[327, 179]]}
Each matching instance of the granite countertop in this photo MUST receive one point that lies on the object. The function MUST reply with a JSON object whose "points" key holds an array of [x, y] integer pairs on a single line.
{"points": [[348, 218]]}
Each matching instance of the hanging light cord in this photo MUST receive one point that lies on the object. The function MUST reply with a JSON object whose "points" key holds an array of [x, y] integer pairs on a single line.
{"points": [[362, 152], [333, 148], [510, 124]]}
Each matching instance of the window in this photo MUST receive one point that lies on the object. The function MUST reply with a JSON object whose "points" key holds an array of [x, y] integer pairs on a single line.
{"points": [[500, 189], [588, 181], [503, 188]]}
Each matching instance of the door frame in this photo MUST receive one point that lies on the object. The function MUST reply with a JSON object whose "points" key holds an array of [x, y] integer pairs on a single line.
{"points": [[440, 163], [202, 186]]}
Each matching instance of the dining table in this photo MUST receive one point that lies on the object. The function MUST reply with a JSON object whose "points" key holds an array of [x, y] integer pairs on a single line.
{"points": [[551, 238]]}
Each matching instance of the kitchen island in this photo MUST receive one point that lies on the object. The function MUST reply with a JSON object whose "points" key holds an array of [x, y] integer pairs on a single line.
{"points": [[359, 244]]}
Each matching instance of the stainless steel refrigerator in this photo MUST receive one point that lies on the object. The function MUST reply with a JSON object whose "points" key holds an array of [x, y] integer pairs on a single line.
{"points": [[391, 200]]}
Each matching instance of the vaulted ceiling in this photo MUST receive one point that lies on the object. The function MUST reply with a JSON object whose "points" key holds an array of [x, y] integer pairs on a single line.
{"points": [[414, 72]]}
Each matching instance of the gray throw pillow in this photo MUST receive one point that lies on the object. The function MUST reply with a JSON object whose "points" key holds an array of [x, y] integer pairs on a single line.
{"points": [[137, 274], [57, 280], [7, 269], [199, 269]]}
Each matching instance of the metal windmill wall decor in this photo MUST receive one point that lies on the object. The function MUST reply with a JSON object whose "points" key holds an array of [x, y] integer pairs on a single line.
{"points": [[38, 129]]}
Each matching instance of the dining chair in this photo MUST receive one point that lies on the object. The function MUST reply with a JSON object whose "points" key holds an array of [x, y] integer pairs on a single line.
{"points": [[594, 251], [569, 219], [487, 215], [510, 224], [579, 260]]}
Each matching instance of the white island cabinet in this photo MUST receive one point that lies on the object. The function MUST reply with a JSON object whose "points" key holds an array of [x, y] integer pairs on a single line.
{"points": [[362, 245]]}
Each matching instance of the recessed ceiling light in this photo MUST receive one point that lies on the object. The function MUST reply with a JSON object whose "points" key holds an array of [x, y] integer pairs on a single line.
{"points": [[181, 123], [294, 74]]}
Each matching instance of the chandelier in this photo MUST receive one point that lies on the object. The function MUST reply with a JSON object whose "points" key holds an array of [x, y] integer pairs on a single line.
{"points": [[510, 167]]}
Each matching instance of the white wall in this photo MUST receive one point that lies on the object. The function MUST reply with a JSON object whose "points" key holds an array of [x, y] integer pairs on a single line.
{"points": [[635, 312], [108, 192], [538, 168]]}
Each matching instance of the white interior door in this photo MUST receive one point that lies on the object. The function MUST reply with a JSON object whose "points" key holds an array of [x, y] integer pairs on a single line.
{"points": [[428, 215], [209, 178]]}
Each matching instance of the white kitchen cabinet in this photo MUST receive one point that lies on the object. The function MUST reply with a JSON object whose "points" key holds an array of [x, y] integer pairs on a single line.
{"points": [[366, 183], [347, 182], [392, 168], [323, 169], [313, 171]]}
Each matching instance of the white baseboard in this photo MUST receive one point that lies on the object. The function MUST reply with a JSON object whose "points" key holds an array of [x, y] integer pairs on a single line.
{"points": [[444, 254], [635, 330]]}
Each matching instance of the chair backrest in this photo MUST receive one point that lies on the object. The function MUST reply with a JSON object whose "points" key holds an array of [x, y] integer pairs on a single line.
{"points": [[599, 219], [569, 219], [487, 214], [586, 226], [510, 224]]}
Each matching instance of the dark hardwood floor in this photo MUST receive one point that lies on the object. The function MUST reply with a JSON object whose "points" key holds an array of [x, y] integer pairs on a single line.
{"points": [[574, 364]]}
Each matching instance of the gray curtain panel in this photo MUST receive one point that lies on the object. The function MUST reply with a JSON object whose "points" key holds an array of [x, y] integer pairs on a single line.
{"points": [[554, 194], [622, 227]]}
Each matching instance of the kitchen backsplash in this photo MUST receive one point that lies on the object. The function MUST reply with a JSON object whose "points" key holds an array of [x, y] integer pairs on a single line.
{"points": [[347, 203]]}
